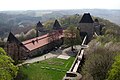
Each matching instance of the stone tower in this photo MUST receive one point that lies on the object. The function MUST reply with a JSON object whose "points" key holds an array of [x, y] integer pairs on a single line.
{"points": [[56, 25], [86, 26], [15, 48], [39, 29], [97, 27]]}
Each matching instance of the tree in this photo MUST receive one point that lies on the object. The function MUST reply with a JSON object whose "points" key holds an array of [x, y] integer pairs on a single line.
{"points": [[8, 71], [114, 73], [48, 24], [72, 37], [30, 34], [98, 64], [22, 36]]}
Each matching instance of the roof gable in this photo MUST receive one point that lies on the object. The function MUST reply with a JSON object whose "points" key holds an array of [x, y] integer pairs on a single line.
{"points": [[39, 24], [40, 27], [56, 25], [86, 18], [12, 38]]}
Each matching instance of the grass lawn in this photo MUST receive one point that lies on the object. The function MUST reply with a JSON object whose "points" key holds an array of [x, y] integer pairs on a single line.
{"points": [[49, 69]]}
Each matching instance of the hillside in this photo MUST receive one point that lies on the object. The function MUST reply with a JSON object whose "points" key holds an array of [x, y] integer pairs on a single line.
{"points": [[111, 15], [25, 20], [101, 58], [108, 14]]}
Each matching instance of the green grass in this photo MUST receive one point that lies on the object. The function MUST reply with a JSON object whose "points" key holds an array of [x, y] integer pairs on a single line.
{"points": [[49, 69]]}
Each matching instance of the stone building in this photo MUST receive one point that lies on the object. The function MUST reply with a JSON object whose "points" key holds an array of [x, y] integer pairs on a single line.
{"points": [[40, 29], [36, 46], [98, 27], [86, 26], [89, 27], [15, 48], [56, 25]]}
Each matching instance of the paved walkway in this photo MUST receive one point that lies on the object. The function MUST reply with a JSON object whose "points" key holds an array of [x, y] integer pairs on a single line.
{"points": [[40, 58], [51, 54], [68, 51]]}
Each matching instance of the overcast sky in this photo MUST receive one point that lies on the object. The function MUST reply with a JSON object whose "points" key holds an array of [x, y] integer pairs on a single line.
{"points": [[58, 4]]}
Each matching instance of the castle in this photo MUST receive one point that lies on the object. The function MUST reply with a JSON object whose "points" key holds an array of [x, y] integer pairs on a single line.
{"points": [[89, 27], [48, 41], [36, 46]]}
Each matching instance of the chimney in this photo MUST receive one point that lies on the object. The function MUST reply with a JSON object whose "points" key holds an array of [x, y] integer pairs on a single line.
{"points": [[33, 41]]}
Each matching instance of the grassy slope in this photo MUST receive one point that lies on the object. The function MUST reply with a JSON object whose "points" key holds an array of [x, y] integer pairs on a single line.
{"points": [[38, 71]]}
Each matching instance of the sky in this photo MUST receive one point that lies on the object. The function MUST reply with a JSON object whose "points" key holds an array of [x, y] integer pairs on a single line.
{"points": [[58, 4]]}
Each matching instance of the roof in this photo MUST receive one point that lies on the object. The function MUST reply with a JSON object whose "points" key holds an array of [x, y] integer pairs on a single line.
{"points": [[12, 38], [86, 18], [40, 27], [39, 24], [40, 41], [37, 42], [56, 25]]}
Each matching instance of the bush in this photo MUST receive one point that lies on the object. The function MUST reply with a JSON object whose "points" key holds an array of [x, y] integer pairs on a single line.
{"points": [[97, 64], [114, 73], [21, 76], [8, 71]]}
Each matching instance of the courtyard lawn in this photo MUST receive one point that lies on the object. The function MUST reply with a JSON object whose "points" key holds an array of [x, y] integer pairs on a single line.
{"points": [[49, 69]]}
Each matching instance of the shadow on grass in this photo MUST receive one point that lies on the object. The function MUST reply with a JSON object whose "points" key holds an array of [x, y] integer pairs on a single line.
{"points": [[21, 76]]}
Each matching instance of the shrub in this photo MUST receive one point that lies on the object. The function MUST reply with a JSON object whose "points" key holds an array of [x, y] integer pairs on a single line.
{"points": [[7, 70], [97, 64], [114, 73]]}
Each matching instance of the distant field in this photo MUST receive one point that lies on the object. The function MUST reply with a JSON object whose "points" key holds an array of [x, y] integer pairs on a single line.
{"points": [[50, 69]]}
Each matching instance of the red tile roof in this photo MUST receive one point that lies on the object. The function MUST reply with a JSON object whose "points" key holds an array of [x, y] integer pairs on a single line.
{"points": [[40, 41]]}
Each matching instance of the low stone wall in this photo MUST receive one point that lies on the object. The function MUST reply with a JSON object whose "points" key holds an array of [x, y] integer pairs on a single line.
{"points": [[73, 74]]}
